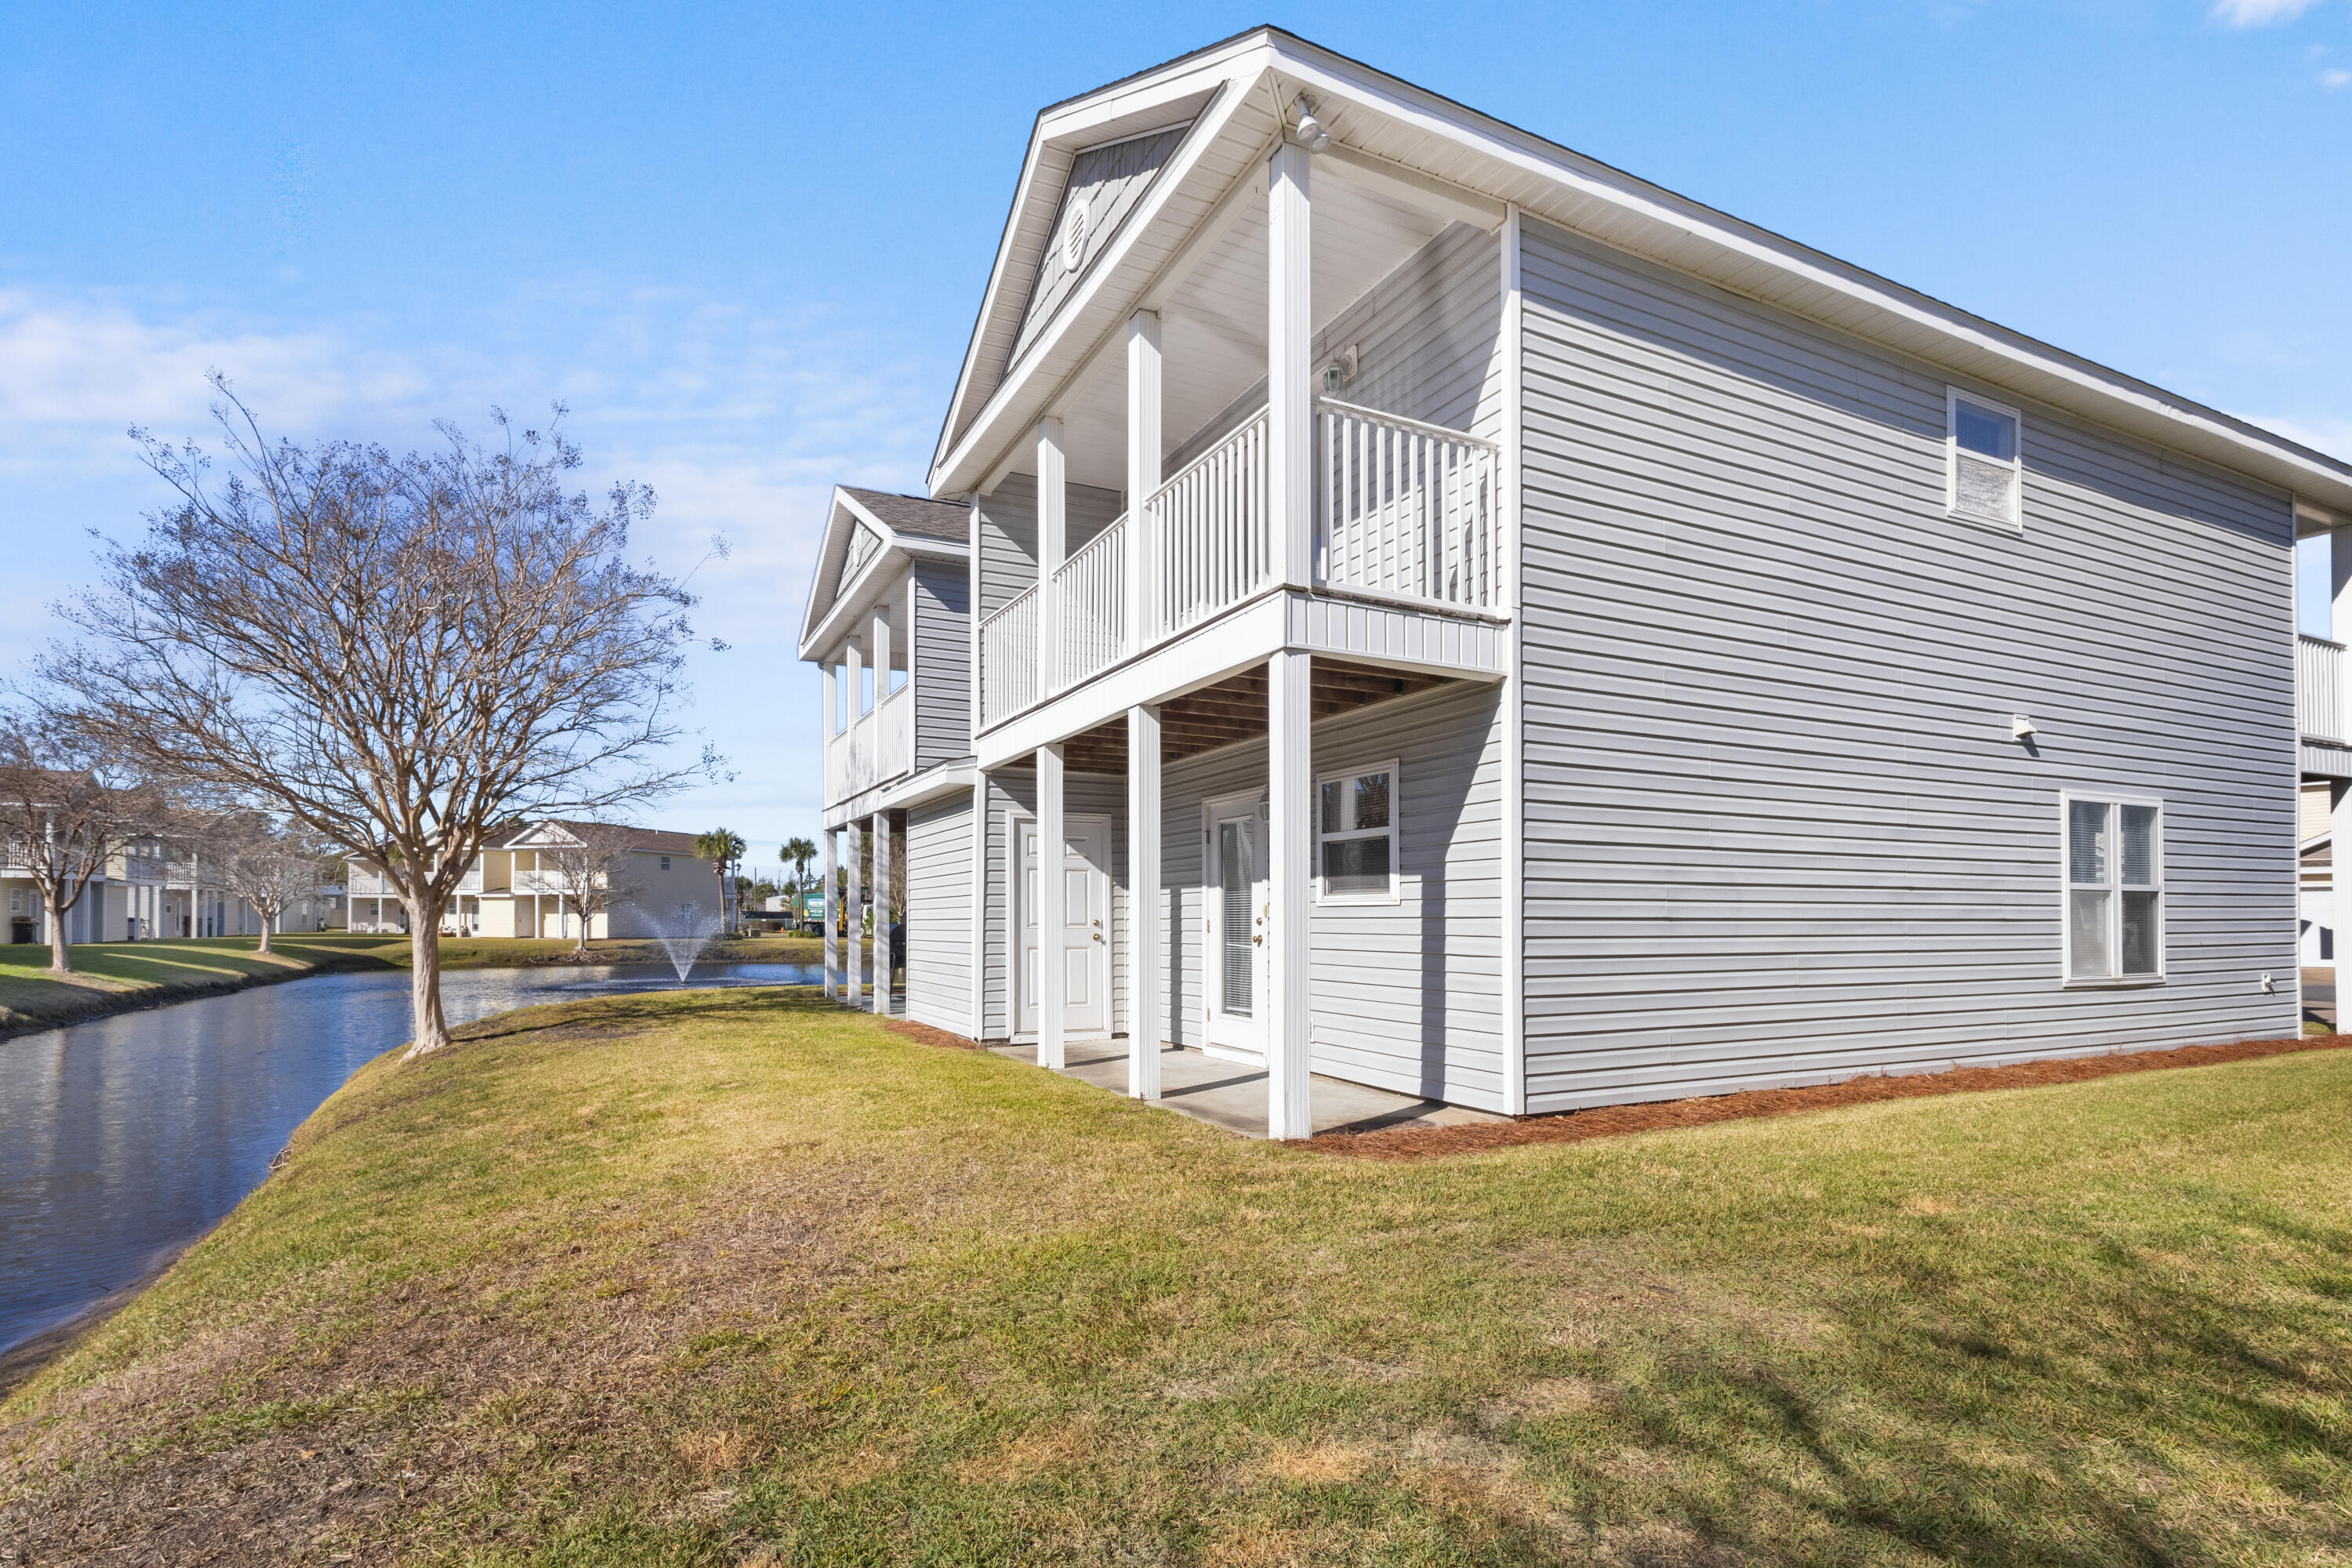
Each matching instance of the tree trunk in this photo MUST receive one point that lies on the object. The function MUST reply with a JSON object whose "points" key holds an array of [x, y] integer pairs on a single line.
{"points": [[60, 961], [432, 1030], [580, 947], [267, 922]]}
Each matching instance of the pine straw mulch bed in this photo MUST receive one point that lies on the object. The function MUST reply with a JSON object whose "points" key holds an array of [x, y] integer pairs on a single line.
{"points": [[1617, 1120]]}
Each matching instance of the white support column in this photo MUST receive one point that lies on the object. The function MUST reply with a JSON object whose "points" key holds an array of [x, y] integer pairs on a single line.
{"points": [[1289, 368], [1052, 918], [878, 643], [979, 1030], [1290, 782], [1143, 448], [853, 961], [1514, 698], [1052, 547], [852, 661], [882, 913], [1146, 991]]}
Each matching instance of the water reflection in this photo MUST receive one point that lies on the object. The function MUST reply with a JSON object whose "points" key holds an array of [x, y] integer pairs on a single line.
{"points": [[123, 1137]]}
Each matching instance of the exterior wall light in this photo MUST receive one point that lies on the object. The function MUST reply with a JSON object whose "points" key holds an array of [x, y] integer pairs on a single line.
{"points": [[1309, 131]]}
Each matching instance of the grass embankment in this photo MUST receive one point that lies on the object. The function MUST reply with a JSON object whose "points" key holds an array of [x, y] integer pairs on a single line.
{"points": [[736, 1276], [117, 976]]}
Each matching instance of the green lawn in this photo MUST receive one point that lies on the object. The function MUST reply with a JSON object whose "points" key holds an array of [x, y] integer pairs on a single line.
{"points": [[109, 975], [739, 1278]]}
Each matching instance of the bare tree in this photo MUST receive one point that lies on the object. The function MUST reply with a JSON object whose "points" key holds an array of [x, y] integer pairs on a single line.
{"points": [[67, 809], [592, 871], [399, 654], [267, 866]]}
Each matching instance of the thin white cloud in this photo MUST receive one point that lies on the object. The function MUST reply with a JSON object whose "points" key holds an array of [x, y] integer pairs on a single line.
{"points": [[2328, 433], [2259, 13], [2335, 79]]}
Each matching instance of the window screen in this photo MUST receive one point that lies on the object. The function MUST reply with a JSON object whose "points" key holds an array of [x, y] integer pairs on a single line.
{"points": [[1357, 826], [1985, 473]]}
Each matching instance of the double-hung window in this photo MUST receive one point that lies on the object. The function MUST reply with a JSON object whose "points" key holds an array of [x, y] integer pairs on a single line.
{"points": [[1355, 847], [1982, 467], [2115, 888]]}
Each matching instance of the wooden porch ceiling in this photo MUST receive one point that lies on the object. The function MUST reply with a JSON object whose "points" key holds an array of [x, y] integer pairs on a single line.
{"points": [[1235, 709]]}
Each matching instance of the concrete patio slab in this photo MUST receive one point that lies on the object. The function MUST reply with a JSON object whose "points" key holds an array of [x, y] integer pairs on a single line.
{"points": [[1232, 1095]]}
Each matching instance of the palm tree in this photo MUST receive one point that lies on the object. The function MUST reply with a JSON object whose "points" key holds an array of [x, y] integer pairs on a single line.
{"points": [[722, 849], [800, 852]]}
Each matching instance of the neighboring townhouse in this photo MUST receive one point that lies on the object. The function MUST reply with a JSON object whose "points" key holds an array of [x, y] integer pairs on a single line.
{"points": [[154, 887], [1467, 621], [514, 887]]}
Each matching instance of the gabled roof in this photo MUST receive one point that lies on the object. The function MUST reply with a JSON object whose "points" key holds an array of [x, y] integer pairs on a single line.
{"points": [[866, 534], [652, 840], [1233, 94]]}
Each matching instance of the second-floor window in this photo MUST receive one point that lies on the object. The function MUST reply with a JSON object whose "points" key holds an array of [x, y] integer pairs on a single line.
{"points": [[1982, 468]]}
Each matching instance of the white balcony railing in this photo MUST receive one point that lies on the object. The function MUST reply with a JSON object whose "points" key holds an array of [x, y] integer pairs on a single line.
{"points": [[1009, 674], [1090, 600], [2319, 689], [878, 748], [1405, 510], [1210, 523]]}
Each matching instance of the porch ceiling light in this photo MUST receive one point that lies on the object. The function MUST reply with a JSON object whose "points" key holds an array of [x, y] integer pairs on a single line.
{"points": [[1310, 131]]}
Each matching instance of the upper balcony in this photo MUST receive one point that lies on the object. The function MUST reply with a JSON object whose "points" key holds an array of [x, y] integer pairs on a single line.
{"points": [[1404, 512]]}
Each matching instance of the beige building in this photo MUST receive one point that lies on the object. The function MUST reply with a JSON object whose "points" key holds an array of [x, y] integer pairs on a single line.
{"points": [[513, 890]]}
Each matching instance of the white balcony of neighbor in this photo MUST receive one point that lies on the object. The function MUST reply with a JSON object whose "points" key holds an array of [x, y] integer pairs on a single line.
{"points": [[876, 749], [2319, 690], [1405, 514]]}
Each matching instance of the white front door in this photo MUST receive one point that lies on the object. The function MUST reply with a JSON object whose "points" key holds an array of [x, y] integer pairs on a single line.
{"points": [[1084, 950], [1235, 901]]}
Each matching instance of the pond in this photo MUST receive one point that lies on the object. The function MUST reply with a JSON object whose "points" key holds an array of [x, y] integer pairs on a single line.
{"points": [[124, 1138]]}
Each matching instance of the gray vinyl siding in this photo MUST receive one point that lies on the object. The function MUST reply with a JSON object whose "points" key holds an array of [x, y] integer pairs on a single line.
{"points": [[938, 913], [942, 663], [1013, 791], [1007, 539], [1406, 995], [1777, 830], [1425, 335], [1008, 534]]}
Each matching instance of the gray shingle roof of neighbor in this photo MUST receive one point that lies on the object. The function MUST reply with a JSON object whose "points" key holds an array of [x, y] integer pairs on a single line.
{"points": [[918, 515]]}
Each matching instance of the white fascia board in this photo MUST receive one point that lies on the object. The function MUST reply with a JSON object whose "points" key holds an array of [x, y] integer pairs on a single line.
{"points": [[939, 780]]}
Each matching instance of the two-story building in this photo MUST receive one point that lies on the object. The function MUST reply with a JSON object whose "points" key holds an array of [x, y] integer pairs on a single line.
{"points": [[1462, 619], [655, 886]]}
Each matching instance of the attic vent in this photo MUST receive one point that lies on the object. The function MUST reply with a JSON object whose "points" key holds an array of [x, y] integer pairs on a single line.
{"points": [[1073, 229]]}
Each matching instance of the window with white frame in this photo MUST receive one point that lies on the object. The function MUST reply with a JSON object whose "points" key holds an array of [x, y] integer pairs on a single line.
{"points": [[1983, 469], [2115, 888], [1356, 835]]}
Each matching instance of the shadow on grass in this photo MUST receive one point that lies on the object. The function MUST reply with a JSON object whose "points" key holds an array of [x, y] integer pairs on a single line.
{"points": [[2139, 1413]]}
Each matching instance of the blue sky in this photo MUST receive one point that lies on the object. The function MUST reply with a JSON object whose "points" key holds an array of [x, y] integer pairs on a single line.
{"points": [[746, 244]]}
